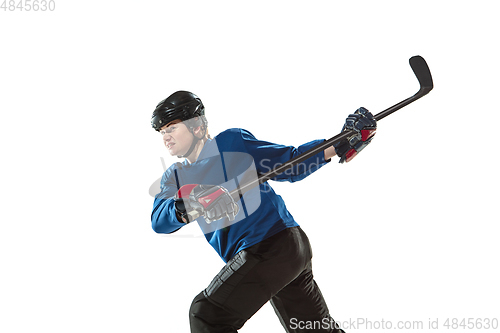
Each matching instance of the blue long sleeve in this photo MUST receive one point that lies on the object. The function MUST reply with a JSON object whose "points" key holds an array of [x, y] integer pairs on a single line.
{"points": [[163, 219], [268, 156]]}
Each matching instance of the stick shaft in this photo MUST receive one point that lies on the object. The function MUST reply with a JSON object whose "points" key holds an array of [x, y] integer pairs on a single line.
{"points": [[422, 92]]}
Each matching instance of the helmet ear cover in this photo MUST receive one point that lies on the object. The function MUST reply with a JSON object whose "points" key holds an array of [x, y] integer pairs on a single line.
{"points": [[192, 123]]}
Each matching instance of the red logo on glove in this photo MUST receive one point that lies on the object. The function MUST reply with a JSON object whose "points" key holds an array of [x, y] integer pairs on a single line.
{"points": [[206, 200]]}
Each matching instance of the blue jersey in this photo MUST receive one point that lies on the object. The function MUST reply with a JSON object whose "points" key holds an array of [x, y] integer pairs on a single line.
{"points": [[231, 159]]}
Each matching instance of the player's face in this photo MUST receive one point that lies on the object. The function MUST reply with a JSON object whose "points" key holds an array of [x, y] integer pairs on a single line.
{"points": [[176, 137]]}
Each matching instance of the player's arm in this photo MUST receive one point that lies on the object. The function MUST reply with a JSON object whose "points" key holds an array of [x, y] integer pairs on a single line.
{"points": [[163, 217], [268, 155]]}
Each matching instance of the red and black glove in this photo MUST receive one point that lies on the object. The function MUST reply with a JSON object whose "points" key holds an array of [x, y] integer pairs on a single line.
{"points": [[365, 125], [213, 202]]}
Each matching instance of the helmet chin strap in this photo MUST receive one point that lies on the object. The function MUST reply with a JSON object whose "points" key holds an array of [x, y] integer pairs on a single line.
{"points": [[193, 144]]}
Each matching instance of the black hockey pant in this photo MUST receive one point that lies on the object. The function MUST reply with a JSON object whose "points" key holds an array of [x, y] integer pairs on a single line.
{"points": [[277, 269]]}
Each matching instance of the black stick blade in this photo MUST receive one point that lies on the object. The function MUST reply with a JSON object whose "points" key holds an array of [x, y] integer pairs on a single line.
{"points": [[423, 74]]}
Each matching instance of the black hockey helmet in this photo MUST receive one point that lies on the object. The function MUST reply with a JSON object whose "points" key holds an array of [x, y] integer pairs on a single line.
{"points": [[182, 105]]}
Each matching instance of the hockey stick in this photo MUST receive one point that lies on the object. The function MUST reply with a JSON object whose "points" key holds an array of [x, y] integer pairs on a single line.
{"points": [[423, 74]]}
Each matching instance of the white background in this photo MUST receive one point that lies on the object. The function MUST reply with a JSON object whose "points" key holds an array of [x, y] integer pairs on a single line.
{"points": [[407, 231]]}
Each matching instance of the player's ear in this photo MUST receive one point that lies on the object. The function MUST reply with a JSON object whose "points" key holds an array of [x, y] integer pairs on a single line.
{"points": [[198, 131], [198, 127]]}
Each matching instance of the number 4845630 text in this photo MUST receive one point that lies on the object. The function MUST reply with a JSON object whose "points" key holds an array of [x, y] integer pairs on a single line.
{"points": [[28, 5]]}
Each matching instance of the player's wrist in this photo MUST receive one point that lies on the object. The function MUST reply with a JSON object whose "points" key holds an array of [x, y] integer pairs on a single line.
{"points": [[180, 210]]}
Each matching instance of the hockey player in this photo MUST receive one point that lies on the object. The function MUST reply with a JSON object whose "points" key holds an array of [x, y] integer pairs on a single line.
{"points": [[267, 255]]}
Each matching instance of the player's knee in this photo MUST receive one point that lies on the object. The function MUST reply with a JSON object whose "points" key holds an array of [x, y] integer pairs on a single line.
{"points": [[202, 308], [204, 314], [198, 305]]}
